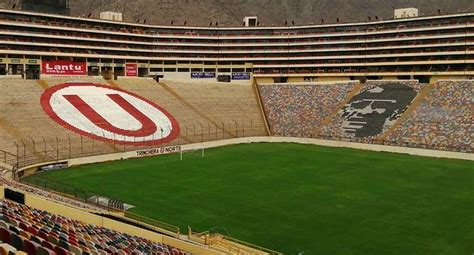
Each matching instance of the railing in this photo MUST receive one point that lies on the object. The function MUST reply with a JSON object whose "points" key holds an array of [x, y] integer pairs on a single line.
{"points": [[154, 224], [8, 158], [55, 148], [72, 192], [246, 244], [85, 197], [230, 244], [36, 151]]}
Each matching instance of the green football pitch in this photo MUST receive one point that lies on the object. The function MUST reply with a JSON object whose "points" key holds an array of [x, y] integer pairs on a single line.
{"points": [[300, 199]]}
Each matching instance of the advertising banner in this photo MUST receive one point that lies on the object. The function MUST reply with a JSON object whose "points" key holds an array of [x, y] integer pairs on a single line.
{"points": [[201, 75], [159, 151], [64, 68], [131, 70], [240, 76]]}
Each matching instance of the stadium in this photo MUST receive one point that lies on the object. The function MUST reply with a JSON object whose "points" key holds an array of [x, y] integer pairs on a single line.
{"points": [[121, 137]]}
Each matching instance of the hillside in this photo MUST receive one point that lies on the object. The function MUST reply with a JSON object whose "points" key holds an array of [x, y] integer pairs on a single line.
{"points": [[270, 12]]}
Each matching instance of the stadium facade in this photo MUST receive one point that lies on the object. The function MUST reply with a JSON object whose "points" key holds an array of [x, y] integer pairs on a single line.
{"points": [[421, 47]]}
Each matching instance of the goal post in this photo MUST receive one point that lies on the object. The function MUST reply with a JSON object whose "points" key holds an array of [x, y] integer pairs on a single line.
{"points": [[182, 152]]}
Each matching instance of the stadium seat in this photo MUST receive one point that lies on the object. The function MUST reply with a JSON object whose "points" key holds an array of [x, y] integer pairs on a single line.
{"points": [[7, 249], [61, 235], [17, 241], [30, 247], [3, 224], [44, 251], [5, 236], [48, 245], [3, 251], [60, 251]]}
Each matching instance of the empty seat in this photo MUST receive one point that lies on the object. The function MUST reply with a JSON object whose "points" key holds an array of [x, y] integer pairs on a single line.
{"points": [[5, 236], [60, 251], [6, 249], [44, 251], [3, 225], [17, 241], [30, 247], [60, 235]]}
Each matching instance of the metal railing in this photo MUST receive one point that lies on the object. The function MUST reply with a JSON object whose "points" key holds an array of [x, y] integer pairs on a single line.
{"points": [[66, 190], [230, 244], [158, 226], [8, 158], [37, 150], [86, 197]]}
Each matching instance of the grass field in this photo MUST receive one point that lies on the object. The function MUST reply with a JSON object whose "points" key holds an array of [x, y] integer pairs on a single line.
{"points": [[301, 198]]}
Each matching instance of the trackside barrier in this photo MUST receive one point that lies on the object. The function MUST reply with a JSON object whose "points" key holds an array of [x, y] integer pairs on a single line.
{"points": [[331, 143]]}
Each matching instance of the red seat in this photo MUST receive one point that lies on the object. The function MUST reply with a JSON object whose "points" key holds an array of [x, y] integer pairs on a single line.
{"points": [[5, 236], [23, 226], [30, 247], [32, 230], [60, 251], [43, 235], [48, 245]]}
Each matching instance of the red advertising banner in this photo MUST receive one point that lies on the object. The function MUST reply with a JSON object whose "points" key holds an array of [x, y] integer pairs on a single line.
{"points": [[131, 70], [63, 68]]}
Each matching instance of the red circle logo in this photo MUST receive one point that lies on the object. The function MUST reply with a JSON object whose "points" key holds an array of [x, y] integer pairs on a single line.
{"points": [[109, 114]]}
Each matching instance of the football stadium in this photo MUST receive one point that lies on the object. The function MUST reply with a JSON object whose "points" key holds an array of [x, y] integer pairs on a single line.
{"points": [[337, 137]]}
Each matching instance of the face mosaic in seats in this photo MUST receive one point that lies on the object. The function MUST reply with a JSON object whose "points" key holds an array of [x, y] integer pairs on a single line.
{"points": [[368, 112]]}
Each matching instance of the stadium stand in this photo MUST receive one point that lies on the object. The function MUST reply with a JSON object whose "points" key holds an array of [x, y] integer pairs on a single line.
{"points": [[372, 111], [205, 111], [443, 120], [38, 232], [298, 110], [230, 111], [28, 126], [57, 198]]}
